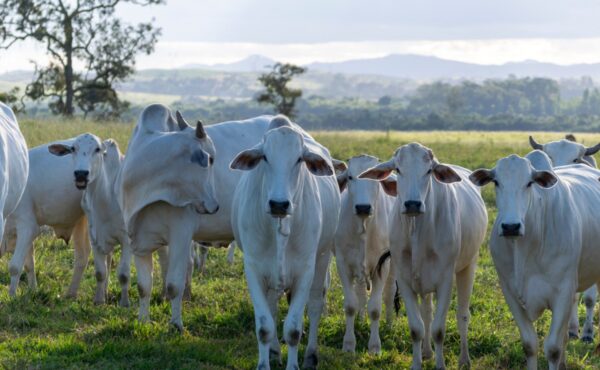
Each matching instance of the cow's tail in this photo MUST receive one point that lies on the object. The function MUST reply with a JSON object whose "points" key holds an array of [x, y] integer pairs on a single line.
{"points": [[387, 254], [396, 298]]}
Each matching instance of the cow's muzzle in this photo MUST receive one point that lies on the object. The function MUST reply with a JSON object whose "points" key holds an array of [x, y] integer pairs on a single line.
{"points": [[363, 210], [511, 230], [413, 207], [81, 179], [279, 208]]}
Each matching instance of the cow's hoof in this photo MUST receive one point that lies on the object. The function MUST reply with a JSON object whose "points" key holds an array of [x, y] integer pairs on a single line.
{"points": [[464, 364], [573, 335], [124, 303], [587, 339], [310, 360], [275, 356], [177, 326]]}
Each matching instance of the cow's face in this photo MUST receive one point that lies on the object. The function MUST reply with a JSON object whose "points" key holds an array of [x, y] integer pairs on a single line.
{"points": [[514, 178], [565, 152], [281, 155], [87, 152], [362, 192], [416, 167]]}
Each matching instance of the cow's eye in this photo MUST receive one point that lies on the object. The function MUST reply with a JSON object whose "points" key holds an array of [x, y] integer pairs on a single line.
{"points": [[265, 158], [397, 171], [299, 160], [495, 182], [429, 171], [529, 184], [350, 178], [575, 160], [97, 150], [211, 160]]}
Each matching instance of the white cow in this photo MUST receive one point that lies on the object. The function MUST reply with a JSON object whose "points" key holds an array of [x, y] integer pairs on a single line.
{"points": [[93, 169], [284, 216], [362, 237], [14, 167], [166, 191], [49, 199], [563, 153], [544, 244], [438, 224]]}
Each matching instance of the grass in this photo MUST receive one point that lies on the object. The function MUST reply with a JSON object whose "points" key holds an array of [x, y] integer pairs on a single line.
{"points": [[41, 329]]}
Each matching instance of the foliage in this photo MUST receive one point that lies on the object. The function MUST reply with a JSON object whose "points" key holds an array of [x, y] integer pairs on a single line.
{"points": [[277, 92], [85, 32], [44, 330], [11, 98]]}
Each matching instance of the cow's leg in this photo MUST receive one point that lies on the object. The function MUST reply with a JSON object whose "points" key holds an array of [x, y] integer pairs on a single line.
{"points": [[202, 254], [124, 272], [555, 341], [427, 316], [163, 261], [464, 288], [179, 261], [143, 266], [30, 269], [589, 299], [231, 252], [265, 326], [574, 320], [350, 303], [273, 301], [529, 338], [102, 267], [389, 296], [415, 322], [316, 302], [81, 249], [360, 289], [443, 297], [26, 233], [374, 307], [187, 291]]}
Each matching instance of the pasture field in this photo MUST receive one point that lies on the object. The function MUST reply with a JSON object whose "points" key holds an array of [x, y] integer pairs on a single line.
{"points": [[41, 329]]}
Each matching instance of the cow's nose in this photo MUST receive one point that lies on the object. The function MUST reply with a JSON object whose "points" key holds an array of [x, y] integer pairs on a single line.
{"points": [[81, 174], [279, 208], [363, 209], [510, 229], [413, 206]]}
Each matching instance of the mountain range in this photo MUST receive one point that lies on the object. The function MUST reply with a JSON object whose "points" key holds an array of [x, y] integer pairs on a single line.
{"points": [[421, 67]]}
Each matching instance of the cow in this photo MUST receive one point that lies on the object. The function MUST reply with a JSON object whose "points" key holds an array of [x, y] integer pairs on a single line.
{"points": [[172, 182], [49, 199], [284, 216], [438, 224], [544, 244], [14, 168], [362, 237], [562, 153], [93, 170]]}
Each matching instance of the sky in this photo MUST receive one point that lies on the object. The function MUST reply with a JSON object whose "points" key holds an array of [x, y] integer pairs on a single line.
{"points": [[477, 31]]}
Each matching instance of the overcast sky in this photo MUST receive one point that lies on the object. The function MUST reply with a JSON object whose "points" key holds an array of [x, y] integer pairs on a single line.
{"points": [[483, 31]]}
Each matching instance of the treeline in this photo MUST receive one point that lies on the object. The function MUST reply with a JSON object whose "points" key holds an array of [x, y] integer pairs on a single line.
{"points": [[530, 104]]}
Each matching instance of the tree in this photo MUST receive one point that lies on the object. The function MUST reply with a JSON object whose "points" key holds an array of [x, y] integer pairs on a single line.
{"points": [[11, 99], [277, 91], [85, 32]]}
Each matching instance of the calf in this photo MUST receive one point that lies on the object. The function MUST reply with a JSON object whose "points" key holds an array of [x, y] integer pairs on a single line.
{"points": [[95, 165], [544, 244], [49, 199], [438, 224], [284, 215], [362, 237]]}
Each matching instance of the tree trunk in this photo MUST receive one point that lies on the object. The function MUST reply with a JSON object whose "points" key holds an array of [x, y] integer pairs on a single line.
{"points": [[69, 90]]}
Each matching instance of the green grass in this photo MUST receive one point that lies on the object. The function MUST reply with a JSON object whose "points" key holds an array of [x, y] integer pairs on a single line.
{"points": [[42, 329]]}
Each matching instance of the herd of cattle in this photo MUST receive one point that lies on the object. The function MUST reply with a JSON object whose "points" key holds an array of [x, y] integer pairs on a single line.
{"points": [[406, 227]]}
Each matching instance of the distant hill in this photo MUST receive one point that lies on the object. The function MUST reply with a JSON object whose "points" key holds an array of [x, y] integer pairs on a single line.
{"points": [[252, 63]]}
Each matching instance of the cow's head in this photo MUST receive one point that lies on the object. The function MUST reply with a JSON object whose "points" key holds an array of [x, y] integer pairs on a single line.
{"points": [[362, 192], [565, 152], [515, 179], [282, 157], [87, 152], [416, 167]]}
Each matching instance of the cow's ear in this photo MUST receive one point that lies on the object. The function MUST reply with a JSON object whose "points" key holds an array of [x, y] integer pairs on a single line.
{"points": [[445, 174], [316, 164], [379, 172], [60, 149], [200, 157], [390, 186], [339, 166], [342, 180], [481, 177], [247, 160], [544, 179]]}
